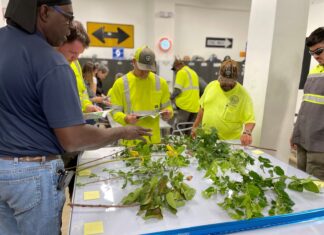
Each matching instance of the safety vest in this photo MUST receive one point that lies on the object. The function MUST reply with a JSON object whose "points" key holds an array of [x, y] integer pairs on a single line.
{"points": [[82, 90], [128, 109], [309, 128], [314, 89], [188, 82], [143, 97]]}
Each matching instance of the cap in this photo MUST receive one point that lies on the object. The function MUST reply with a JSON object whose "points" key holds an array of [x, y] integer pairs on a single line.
{"points": [[54, 2], [23, 12], [229, 70], [145, 59], [176, 62]]}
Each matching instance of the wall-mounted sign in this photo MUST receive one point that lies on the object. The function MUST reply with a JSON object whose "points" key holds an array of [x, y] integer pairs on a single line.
{"points": [[219, 42], [165, 44], [110, 35], [118, 53]]}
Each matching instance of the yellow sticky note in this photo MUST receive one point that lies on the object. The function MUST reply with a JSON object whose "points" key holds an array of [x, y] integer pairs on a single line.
{"points": [[91, 195], [319, 184], [86, 172], [257, 151], [93, 228]]}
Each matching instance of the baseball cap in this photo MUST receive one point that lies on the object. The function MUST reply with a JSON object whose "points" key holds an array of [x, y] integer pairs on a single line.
{"points": [[145, 59], [229, 70], [54, 2]]}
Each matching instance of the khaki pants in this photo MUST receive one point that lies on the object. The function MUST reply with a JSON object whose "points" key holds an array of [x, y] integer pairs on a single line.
{"points": [[310, 162]]}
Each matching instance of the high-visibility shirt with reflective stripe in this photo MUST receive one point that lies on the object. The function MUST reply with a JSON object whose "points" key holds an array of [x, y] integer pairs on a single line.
{"points": [[147, 96], [226, 111], [82, 90], [188, 82], [309, 128]]}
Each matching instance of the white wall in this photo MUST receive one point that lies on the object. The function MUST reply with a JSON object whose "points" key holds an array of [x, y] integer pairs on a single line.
{"points": [[195, 22], [206, 17], [2, 8]]}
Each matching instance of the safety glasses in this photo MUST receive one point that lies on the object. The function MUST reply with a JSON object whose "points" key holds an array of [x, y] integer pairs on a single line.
{"points": [[68, 16], [318, 51]]}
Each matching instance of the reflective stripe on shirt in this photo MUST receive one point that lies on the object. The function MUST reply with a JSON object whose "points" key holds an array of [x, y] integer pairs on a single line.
{"points": [[166, 104], [190, 87], [128, 99], [313, 98]]}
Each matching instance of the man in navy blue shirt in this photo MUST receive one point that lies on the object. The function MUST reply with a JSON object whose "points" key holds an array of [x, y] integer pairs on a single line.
{"points": [[40, 116]]}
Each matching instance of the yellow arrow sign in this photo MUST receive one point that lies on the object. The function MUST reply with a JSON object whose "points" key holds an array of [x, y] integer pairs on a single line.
{"points": [[110, 35]]}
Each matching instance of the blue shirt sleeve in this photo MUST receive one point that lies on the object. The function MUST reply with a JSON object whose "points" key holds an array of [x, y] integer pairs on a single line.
{"points": [[59, 97]]}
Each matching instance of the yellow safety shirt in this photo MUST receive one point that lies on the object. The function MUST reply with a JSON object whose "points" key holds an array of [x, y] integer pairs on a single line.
{"points": [[188, 82], [131, 94], [226, 111], [83, 94]]}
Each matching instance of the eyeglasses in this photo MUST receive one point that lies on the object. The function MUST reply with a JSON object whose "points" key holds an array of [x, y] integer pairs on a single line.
{"points": [[318, 51], [67, 15]]}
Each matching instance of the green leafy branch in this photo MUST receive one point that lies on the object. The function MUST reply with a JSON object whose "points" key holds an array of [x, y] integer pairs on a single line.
{"points": [[167, 191], [245, 197]]}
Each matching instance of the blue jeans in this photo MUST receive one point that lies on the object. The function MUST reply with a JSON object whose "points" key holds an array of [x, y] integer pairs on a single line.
{"points": [[30, 203]]}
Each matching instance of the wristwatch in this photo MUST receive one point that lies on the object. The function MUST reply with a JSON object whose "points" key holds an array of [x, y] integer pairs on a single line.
{"points": [[247, 132]]}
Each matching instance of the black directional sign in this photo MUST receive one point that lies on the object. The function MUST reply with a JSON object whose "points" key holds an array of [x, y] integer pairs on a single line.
{"points": [[100, 34], [219, 42], [110, 35]]}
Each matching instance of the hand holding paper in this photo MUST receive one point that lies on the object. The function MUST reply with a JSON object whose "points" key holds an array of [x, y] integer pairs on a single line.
{"points": [[166, 114]]}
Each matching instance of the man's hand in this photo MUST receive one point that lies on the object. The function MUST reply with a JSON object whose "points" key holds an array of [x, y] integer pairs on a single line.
{"points": [[292, 145], [166, 114], [92, 108], [193, 133], [136, 132], [246, 139], [131, 119]]}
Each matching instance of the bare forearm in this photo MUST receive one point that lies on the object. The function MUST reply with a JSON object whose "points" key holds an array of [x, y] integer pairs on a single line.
{"points": [[248, 127], [198, 118], [86, 137]]}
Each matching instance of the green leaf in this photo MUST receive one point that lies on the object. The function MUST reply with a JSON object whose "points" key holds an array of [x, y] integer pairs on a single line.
{"points": [[296, 186], [170, 200], [131, 197], [311, 186], [207, 193], [154, 213], [187, 191], [235, 215], [172, 210], [180, 203], [253, 190], [279, 171], [263, 160], [162, 185], [225, 166], [267, 165], [256, 177]]}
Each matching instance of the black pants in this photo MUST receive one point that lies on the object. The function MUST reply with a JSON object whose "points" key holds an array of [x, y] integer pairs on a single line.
{"points": [[70, 161]]}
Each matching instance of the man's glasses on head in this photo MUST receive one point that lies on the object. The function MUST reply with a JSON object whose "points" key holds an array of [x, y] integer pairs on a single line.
{"points": [[67, 15], [318, 51]]}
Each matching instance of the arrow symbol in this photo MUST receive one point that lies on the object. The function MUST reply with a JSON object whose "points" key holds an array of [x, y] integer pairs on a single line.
{"points": [[100, 34], [227, 43], [219, 42]]}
